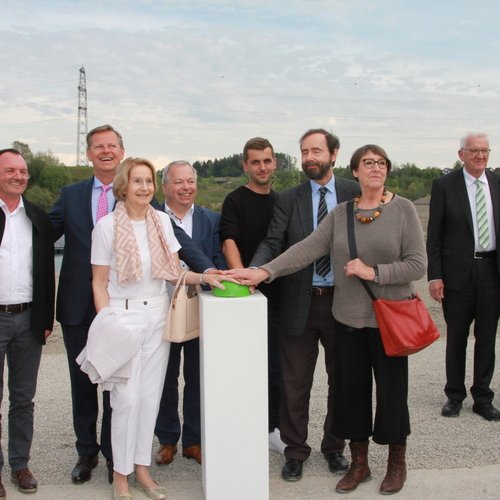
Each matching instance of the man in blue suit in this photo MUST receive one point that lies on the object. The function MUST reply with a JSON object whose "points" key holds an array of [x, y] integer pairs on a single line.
{"points": [[74, 215], [180, 189]]}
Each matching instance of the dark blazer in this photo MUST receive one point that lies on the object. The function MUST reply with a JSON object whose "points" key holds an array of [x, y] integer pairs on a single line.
{"points": [[292, 221], [42, 310], [450, 232], [206, 234], [71, 215]]}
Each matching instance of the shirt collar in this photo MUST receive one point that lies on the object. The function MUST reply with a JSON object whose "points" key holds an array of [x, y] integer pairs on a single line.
{"points": [[3, 205], [98, 183], [470, 179], [330, 185], [168, 210]]}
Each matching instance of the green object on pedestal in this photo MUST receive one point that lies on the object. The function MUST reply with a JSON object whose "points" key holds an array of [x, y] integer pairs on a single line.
{"points": [[231, 290]]}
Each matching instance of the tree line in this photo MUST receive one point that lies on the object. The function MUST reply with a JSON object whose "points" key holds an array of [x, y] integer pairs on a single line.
{"points": [[216, 177]]}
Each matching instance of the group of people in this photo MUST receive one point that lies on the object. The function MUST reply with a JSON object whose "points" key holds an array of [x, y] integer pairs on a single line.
{"points": [[124, 253]]}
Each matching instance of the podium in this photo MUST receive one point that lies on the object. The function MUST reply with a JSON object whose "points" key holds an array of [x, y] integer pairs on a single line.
{"points": [[234, 415]]}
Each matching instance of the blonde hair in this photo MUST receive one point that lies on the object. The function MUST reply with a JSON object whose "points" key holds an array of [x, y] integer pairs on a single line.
{"points": [[122, 177]]}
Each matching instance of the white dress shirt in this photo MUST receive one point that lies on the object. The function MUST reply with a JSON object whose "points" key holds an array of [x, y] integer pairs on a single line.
{"points": [[16, 257]]}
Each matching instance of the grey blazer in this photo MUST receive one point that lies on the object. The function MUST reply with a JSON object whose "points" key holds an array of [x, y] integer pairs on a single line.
{"points": [[292, 221]]}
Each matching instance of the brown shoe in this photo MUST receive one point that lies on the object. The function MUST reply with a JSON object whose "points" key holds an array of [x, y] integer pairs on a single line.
{"points": [[193, 452], [166, 453], [24, 480], [2, 490], [396, 470], [359, 471]]}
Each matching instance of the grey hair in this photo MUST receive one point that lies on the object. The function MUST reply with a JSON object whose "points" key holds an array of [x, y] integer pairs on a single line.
{"points": [[174, 164], [465, 138]]}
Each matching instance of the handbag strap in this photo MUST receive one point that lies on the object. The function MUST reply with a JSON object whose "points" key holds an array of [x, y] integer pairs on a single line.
{"points": [[351, 239]]}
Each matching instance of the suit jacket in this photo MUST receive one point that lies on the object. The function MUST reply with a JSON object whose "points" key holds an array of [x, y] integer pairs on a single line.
{"points": [[42, 309], [292, 221], [450, 232], [206, 235], [71, 215]]}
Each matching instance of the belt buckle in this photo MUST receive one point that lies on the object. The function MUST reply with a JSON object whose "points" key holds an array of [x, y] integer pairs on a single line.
{"points": [[478, 257]]}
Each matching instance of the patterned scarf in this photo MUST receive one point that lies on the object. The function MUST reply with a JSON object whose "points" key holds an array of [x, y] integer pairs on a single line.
{"points": [[128, 258]]}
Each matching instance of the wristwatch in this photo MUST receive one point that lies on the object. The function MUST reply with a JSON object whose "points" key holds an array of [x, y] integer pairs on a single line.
{"points": [[376, 279]]}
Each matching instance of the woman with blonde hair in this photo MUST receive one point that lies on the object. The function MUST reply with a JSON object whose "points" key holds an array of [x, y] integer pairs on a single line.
{"points": [[134, 251]]}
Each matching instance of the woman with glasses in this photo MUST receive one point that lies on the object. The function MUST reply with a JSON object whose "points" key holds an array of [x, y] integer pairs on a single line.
{"points": [[391, 254]]}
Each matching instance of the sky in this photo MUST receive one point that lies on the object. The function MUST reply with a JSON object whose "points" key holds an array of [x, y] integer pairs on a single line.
{"points": [[195, 80]]}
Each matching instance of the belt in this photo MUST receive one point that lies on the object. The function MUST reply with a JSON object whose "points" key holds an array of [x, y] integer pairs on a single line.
{"points": [[485, 255], [322, 290], [14, 308]]}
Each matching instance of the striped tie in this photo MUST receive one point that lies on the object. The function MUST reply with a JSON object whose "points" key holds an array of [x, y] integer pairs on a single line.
{"points": [[481, 215], [323, 263], [102, 202]]}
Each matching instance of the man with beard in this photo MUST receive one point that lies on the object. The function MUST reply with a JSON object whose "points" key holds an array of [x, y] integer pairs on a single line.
{"points": [[306, 300]]}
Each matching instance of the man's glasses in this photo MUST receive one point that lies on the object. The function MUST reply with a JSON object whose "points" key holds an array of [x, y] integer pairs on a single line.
{"points": [[477, 152], [369, 163]]}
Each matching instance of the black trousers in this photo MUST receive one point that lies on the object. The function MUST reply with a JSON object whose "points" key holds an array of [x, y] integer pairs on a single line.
{"points": [[84, 398], [168, 425], [478, 301], [298, 361], [359, 355]]}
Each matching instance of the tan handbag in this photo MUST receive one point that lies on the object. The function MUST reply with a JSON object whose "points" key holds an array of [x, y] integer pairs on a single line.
{"points": [[183, 319]]}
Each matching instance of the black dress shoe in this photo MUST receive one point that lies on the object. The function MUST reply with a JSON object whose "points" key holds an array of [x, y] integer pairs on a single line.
{"points": [[487, 411], [83, 468], [109, 465], [337, 462], [451, 408], [292, 470]]}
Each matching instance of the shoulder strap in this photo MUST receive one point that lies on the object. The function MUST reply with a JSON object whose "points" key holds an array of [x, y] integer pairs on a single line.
{"points": [[351, 238]]}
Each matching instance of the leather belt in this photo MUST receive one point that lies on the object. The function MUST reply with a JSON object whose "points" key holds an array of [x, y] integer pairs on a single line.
{"points": [[485, 255], [322, 290], [14, 308]]}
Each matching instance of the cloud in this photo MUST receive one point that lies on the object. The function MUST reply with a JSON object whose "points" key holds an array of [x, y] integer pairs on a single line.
{"points": [[195, 79]]}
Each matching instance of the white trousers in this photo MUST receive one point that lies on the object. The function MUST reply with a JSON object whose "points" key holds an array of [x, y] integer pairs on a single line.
{"points": [[135, 403]]}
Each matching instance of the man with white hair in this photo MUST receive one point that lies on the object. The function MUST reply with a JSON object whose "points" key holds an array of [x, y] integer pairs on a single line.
{"points": [[464, 271]]}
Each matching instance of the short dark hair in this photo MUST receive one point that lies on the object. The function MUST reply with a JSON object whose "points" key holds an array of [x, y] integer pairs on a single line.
{"points": [[104, 128], [332, 140], [256, 143], [360, 152], [11, 150]]}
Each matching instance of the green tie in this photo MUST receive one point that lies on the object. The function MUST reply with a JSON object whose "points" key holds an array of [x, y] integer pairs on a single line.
{"points": [[481, 215]]}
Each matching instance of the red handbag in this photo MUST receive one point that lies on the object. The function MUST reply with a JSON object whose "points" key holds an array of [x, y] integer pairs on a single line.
{"points": [[405, 326]]}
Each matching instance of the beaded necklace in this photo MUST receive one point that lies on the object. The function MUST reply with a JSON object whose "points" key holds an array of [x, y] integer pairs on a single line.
{"points": [[376, 214]]}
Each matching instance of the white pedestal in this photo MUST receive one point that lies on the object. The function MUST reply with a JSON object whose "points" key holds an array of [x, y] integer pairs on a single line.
{"points": [[234, 415]]}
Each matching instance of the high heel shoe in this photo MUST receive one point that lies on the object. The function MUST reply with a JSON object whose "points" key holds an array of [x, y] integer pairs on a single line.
{"points": [[156, 492], [121, 496]]}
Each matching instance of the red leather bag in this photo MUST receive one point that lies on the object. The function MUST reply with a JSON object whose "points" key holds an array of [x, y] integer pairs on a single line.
{"points": [[406, 326]]}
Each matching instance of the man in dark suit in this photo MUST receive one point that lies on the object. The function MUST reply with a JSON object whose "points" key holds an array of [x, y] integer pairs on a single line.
{"points": [[464, 271], [180, 189], [74, 215], [27, 292], [306, 300]]}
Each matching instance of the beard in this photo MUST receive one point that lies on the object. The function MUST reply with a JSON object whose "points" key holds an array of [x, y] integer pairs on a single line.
{"points": [[316, 174]]}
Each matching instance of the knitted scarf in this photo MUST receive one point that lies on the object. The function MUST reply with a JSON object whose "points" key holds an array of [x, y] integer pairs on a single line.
{"points": [[128, 258]]}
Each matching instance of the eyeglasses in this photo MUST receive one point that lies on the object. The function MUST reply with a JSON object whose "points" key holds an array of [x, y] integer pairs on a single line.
{"points": [[477, 152], [369, 163]]}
